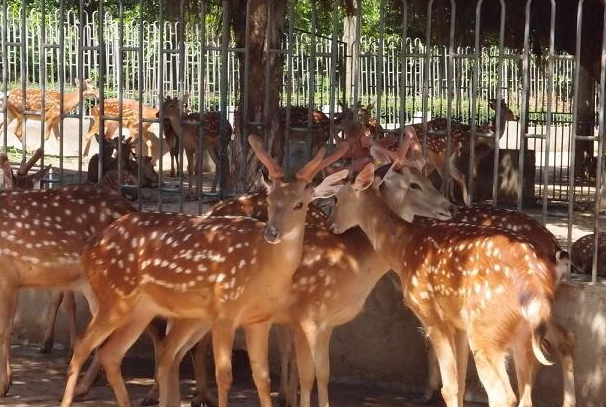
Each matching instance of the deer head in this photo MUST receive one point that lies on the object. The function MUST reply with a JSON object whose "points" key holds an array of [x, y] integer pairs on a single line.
{"points": [[23, 180], [506, 113], [89, 90], [288, 200]]}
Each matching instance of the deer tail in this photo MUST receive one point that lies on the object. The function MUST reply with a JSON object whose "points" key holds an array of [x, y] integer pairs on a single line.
{"points": [[536, 305]]}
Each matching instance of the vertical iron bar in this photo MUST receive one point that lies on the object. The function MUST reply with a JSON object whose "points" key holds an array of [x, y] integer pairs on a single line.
{"points": [[24, 74], [5, 73], [334, 60], [404, 68], [355, 63], [497, 129], [289, 53], [524, 106], [120, 67], [425, 72], [550, 76], [181, 85], [599, 172], [223, 101], [140, 124], [312, 82], [80, 75], [201, 104], [161, 97], [102, 72], [379, 77], [449, 91], [62, 91], [42, 76], [575, 102]]}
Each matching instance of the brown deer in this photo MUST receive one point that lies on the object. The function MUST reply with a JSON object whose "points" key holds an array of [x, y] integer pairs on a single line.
{"points": [[582, 254], [328, 293], [190, 136], [25, 181], [52, 114], [299, 118], [41, 235], [130, 120], [235, 271], [463, 286], [485, 215]]}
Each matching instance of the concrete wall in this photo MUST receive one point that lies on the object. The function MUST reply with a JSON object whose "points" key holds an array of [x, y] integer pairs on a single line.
{"points": [[384, 344]]}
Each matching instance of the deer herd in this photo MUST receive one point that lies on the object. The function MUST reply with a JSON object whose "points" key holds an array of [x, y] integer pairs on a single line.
{"points": [[478, 278]]}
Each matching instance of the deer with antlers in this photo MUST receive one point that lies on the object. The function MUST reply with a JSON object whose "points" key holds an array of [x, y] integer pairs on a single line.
{"points": [[189, 126], [41, 236], [462, 285], [234, 270], [52, 102], [130, 120]]}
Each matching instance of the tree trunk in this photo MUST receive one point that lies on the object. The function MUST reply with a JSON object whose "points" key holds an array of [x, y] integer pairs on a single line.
{"points": [[244, 168]]}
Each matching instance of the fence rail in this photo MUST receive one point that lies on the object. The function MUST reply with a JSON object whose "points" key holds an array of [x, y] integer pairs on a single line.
{"points": [[367, 81]]}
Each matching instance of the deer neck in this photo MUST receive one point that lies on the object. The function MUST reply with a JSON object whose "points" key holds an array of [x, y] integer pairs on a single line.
{"points": [[286, 255], [175, 123], [71, 100], [502, 125], [388, 234]]}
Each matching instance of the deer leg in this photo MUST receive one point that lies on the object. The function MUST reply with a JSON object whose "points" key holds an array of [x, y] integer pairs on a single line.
{"points": [[462, 354], [8, 297], [215, 157], [223, 339], [433, 373], [490, 363], [322, 362], [19, 129], [191, 166], [285, 346], [94, 129], [293, 379], [525, 366], [305, 365], [113, 350], [183, 334], [70, 311], [100, 328], [257, 341], [53, 308], [562, 340], [444, 347], [202, 398], [154, 332]]}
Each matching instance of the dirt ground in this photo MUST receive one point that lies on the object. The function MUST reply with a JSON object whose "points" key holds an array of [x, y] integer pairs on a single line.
{"points": [[38, 380]]}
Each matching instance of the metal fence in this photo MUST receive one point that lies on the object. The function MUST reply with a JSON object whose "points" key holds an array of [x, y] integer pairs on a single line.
{"points": [[407, 80]]}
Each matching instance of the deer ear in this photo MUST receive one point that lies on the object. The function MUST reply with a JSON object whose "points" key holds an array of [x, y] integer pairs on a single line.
{"points": [[331, 185], [365, 178], [265, 183]]}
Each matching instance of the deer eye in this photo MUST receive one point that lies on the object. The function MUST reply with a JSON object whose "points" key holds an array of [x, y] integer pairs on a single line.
{"points": [[414, 185], [298, 206]]}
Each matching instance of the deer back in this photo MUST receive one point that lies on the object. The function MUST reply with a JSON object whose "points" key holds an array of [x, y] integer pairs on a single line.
{"points": [[48, 228]]}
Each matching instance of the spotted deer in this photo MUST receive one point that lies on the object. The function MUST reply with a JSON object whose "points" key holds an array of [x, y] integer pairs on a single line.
{"points": [[467, 284], [328, 293], [299, 118], [25, 181], [485, 215], [52, 113], [234, 272], [582, 254], [42, 233], [130, 120], [189, 126]]}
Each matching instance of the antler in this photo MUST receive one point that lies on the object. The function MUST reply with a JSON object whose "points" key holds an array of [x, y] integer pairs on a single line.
{"points": [[275, 172], [25, 167], [309, 170]]}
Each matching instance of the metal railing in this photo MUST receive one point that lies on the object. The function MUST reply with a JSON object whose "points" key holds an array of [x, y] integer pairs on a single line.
{"points": [[407, 80]]}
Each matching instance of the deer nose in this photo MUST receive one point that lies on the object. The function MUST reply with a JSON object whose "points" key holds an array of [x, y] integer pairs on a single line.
{"points": [[271, 234]]}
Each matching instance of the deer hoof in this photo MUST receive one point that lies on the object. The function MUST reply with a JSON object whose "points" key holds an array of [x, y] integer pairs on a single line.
{"points": [[203, 401], [149, 400], [4, 388], [46, 347]]}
